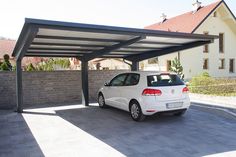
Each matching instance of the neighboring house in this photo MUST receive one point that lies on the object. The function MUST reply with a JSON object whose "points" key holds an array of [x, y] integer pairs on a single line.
{"points": [[109, 64], [100, 64], [75, 64], [6, 47], [218, 59]]}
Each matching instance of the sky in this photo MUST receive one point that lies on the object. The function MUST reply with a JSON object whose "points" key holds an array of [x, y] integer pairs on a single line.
{"points": [[126, 13]]}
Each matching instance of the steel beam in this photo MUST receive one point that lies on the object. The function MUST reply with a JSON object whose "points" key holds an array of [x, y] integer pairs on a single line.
{"points": [[135, 66], [111, 30], [85, 90], [156, 53], [29, 37], [19, 89], [107, 50]]}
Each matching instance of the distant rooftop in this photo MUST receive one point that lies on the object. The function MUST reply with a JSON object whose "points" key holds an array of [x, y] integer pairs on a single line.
{"points": [[6, 47], [187, 22]]}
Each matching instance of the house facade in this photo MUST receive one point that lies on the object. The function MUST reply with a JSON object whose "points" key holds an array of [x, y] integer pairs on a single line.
{"points": [[218, 58], [109, 64], [6, 47]]}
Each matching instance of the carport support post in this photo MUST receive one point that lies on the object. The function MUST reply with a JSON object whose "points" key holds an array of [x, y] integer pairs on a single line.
{"points": [[19, 91], [135, 66], [85, 91]]}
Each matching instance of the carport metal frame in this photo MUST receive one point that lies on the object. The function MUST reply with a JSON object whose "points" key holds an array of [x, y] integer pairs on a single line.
{"points": [[32, 26]]}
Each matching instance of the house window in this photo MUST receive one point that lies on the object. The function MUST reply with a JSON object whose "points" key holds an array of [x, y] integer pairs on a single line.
{"points": [[222, 64], [206, 47], [231, 66], [205, 64], [221, 42], [168, 65], [215, 14]]}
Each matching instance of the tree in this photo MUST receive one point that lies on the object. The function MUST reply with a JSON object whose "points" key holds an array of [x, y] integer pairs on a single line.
{"points": [[177, 68]]}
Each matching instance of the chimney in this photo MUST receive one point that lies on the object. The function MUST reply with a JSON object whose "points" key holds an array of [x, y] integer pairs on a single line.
{"points": [[196, 6], [163, 16]]}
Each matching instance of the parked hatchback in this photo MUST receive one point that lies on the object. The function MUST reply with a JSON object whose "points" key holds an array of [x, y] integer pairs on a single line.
{"points": [[145, 93]]}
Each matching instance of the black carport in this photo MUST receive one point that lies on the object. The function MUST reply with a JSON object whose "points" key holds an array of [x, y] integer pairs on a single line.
{"points": [[44, 38]]}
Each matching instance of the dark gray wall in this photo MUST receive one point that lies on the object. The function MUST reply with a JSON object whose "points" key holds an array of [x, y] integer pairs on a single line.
{"points": [[50, 88]]}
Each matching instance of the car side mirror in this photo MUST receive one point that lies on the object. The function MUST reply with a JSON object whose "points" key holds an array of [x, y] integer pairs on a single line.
{"points": [[107, 84]]}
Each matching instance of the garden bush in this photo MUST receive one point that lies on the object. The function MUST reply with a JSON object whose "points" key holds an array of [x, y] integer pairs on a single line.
{"points": [[204, 84]]}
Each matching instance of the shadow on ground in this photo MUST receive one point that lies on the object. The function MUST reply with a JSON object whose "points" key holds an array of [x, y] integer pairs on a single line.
{"points": [[195, 134], [16, 138]]}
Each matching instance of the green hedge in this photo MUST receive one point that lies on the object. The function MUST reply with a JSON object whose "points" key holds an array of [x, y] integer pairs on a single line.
{"points": [[204, 84]]}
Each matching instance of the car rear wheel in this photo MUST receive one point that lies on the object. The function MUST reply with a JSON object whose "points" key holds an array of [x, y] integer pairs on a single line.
{"points": [[101, 101], [180, 113], [136, 112]]}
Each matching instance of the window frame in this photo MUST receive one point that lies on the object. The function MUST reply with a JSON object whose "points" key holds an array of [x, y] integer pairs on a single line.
{"points": [[206, 47], [168, 66], [128, 74], [207, 67], [233, 66], [179, 82], [222, 64], [110, 83], [215, 14], [221, 42]]}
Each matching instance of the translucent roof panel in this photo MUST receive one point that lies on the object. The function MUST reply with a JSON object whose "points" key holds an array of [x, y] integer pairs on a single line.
{"points": [[84, 42], [87, 41], [95, 35]]}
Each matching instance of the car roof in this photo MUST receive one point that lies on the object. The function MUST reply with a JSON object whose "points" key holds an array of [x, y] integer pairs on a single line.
{"points": [[149, 72]]}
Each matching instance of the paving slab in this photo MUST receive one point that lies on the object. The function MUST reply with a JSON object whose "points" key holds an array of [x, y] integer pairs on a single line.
{"points": [[90, 131]]}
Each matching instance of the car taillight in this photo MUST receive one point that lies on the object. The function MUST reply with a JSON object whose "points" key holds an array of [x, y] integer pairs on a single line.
{"points": [[185, 90], [151, 92]]}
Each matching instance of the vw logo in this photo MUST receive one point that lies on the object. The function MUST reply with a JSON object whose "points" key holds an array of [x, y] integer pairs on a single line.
{"points": [[172, 91]]}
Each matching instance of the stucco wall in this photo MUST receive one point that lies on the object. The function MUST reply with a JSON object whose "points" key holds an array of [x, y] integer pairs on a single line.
{"points": [[50, 88], [192, 59]]}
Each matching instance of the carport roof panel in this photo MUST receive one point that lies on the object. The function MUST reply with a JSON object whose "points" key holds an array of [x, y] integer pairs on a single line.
{"points": [[54, 38]]}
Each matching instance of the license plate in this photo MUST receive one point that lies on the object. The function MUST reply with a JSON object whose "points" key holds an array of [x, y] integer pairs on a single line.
{"points": [[174, 105]]}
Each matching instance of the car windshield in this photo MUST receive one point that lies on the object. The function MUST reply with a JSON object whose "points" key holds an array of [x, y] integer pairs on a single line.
{"points": [[164, 80]]}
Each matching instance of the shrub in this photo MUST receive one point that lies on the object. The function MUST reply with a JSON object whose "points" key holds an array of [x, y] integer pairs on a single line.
{"points": [[204, 84], [53, 64], [6, 65], [30, 67]]}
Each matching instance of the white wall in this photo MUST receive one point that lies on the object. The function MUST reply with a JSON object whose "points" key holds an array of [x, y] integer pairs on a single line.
{"points": [[192, 59]]}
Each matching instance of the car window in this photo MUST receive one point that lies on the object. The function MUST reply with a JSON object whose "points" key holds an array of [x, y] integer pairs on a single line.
{"points": [[164, 80], [118, 80], [132, 79]]}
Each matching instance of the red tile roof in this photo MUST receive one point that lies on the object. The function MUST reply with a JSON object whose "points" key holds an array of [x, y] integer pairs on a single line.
{"points": [[6, 47], [187, 22]]}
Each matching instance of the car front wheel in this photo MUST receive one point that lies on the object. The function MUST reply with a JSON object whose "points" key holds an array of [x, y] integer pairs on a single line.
{"points": [[136, 112]]}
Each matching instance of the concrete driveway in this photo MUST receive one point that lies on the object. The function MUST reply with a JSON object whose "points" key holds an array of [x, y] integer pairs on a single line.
{"points": [[90, 131]]}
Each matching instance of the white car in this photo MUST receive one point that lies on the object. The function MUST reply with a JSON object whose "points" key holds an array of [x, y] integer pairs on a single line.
{"points": [[145, 93]]}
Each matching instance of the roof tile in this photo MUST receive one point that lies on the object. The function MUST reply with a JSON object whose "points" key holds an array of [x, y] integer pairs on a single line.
{"points": [[186, 22], [6, 47]]}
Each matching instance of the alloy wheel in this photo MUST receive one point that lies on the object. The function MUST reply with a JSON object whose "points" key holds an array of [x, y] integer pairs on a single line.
{"points": [[135, 111]]}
